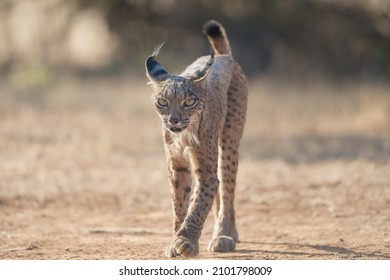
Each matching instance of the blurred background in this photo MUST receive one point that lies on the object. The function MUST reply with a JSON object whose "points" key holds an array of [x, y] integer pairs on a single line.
{"points": [[297, 40]]}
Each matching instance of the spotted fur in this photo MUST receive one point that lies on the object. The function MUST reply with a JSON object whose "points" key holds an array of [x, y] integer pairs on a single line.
{"points": [[203, 115]]}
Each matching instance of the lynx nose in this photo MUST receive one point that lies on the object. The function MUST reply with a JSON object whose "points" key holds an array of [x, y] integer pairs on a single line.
{"points": [[173, 121]]}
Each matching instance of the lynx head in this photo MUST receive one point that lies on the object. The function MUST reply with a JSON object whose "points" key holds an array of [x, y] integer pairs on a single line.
{"points": [[178, 100]]}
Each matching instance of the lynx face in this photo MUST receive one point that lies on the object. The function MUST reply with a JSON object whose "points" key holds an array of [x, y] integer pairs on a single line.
{"points": [[177, 104], [178, 99]]}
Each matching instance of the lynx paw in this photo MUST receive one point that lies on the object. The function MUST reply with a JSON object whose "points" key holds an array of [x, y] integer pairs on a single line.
{"points": [[222, 244], [182, 247]]}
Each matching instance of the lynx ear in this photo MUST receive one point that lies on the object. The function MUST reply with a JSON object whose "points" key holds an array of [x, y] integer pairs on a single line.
{"points": [[202, 73], [154, 70]]}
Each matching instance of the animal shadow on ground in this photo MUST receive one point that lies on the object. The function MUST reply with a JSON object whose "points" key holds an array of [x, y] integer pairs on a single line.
{"points": [[294, 251]]}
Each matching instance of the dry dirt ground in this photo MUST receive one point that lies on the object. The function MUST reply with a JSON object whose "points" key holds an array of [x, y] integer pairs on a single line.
{"points": [[83, 174]]}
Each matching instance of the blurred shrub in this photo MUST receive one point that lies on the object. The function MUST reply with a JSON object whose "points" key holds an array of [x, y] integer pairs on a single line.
{"points": [[31, 78]]}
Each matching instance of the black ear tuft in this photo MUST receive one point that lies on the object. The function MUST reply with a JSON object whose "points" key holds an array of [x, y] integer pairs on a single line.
{"points": [[212, 29], [155, 69]]}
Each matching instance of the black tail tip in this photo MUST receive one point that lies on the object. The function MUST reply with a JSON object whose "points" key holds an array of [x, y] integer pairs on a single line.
{"points": [[212, 28]]}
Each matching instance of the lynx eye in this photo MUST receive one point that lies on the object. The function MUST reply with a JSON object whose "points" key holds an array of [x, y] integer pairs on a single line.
{"points": [[190, 103], [162, 102]]}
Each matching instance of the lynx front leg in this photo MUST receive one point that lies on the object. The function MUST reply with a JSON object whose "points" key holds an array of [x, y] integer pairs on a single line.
{"points": [[180, 181], [186, 241]]}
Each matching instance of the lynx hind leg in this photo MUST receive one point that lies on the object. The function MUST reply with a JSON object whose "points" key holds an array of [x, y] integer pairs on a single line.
{"points": [[225, 234]]}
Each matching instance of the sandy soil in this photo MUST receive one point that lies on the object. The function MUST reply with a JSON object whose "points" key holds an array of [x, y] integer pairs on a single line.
{"points": [[82, 175]]}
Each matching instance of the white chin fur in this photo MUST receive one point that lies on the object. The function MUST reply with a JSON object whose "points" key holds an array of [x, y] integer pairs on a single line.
{"points": [[186, 137]]}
